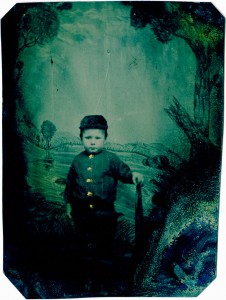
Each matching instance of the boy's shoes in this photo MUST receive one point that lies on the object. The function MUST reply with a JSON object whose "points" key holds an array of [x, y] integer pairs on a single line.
{"points": [[96, 289], [88, 285]]}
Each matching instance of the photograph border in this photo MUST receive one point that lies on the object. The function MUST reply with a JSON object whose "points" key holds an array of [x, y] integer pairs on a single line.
{"points": [[217, 287]]}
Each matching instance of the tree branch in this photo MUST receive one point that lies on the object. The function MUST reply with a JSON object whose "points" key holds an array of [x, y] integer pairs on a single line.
{"points": [[184, 121]]}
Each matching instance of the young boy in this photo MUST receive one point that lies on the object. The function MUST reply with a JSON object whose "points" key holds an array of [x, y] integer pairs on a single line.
{"points": [[91, 190]]}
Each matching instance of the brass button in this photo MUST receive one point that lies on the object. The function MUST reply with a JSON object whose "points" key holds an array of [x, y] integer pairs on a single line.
{"points": [[89, 180], [89, 169], [91, 156], [91, 206], [89, 194]]}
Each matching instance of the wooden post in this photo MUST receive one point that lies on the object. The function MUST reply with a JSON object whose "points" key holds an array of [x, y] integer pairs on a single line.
{"points": [[139, 216]]}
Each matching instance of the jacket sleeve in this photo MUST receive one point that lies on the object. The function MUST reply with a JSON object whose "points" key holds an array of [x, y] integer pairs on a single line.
{"points": [[70, 185], [122, 170]]}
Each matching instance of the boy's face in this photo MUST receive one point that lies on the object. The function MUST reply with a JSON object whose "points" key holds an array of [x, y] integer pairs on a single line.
{"points": [[93, 140]]}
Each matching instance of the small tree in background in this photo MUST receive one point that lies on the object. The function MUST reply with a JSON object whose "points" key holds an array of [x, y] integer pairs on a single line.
{"points": [[48, 130]]}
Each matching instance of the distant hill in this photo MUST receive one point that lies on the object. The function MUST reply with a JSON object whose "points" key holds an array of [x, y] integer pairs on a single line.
{"points": [[68, 142]]}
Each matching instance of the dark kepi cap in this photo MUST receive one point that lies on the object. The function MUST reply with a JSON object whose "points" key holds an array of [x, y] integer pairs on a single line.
{"points": [[93, 122]]}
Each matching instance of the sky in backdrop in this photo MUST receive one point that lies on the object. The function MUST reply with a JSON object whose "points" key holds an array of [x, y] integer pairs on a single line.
{"points": [[103, 65]]}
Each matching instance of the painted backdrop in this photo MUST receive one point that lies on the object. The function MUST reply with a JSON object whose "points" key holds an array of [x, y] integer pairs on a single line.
{"points": [[155, 71]]}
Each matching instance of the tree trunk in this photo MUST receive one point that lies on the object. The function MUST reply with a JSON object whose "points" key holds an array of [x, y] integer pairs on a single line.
{"points": [[202, 90]]}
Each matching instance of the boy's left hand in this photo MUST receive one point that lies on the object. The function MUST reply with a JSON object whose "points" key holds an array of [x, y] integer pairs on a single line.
{"points": [[138, 178]]}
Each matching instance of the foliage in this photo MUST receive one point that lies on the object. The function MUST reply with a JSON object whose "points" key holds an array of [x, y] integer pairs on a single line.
{"points": [[38, 26], [48, 130], [61, 5], [194, 22]]}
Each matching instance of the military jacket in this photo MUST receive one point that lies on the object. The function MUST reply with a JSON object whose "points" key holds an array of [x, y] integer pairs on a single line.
{"points": [[96, 176]]}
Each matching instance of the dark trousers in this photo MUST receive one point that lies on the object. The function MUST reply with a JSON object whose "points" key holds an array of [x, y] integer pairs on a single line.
{"points": [[95, 240], [95, 222]]}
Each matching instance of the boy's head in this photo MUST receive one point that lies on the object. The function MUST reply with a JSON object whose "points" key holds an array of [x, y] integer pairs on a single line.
{"points": [[93, 122], [93, 133]]}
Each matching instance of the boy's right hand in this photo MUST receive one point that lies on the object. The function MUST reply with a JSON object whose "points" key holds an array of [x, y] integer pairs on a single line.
{"points": [[138, 178], [69, 211]]}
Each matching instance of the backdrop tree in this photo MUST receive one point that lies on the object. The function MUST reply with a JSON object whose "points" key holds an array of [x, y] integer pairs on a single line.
{"points": [[25, 25], [202, 27], [48, 130]]}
